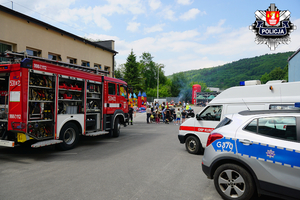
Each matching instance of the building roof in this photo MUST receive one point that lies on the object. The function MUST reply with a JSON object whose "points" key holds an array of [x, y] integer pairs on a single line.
{"points": [[294, 54], [48, 26]]}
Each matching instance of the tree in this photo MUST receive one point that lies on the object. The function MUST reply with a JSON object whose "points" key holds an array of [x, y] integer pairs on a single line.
{"points": [[119, 72], [148, 71], [276, 74], [132, 73]]}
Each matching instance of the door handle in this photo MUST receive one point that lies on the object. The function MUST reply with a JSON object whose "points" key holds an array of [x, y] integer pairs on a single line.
{"points": [[246, 142]]}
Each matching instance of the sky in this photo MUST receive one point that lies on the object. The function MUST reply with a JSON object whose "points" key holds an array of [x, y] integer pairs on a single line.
{"points": [[180, 34]]}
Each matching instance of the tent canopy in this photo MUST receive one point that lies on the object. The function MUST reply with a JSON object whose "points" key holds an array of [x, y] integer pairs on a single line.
{"points": [[200, 97]]}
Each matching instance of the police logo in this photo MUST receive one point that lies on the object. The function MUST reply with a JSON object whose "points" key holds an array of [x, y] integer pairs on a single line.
{"points": [[272, 27]]}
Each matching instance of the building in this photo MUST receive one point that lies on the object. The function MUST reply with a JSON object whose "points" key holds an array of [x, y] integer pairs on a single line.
{"points": [[21, 33], [294, 67]]}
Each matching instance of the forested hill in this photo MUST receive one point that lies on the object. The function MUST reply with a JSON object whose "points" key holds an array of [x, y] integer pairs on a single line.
{"points": [[231, 74]]}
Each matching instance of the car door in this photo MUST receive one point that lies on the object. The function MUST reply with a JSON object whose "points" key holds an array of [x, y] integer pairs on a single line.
{"points": [[206, 122], [270, 146]]}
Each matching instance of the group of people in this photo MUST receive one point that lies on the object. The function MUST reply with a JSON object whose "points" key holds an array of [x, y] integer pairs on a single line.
{"points": [[163, 112]]}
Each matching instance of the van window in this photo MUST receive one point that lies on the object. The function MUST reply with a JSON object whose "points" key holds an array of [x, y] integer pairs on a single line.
{"points": [[212, 113], [111, 88]]}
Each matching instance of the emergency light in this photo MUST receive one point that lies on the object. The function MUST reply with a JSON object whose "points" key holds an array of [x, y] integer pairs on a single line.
{"points": [[26, 63], [297, 105], [253, 82]]}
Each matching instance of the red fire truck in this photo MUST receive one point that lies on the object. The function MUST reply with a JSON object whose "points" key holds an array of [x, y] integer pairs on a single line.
{"points": [[45, 102]]}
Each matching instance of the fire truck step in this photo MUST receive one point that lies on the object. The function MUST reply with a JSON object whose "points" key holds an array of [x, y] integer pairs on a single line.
{"points": [[46, 143], [6, 143], [96, 133]]}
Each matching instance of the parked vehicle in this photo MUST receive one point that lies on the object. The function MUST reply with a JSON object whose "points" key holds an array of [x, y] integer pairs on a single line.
{"points": [[190, 113], [52, 102], [194, 131], [255, 151]]}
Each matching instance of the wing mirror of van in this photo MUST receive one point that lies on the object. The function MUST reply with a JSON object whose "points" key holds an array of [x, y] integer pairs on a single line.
{"points": [[198, 117]]}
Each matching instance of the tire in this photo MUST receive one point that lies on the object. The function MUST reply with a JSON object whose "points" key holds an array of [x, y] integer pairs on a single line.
{"points": [[193, 145], [69, 135], [233, 182], [117, 127]]}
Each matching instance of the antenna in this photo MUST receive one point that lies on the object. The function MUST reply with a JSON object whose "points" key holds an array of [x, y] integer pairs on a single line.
{"points": [[246, 104]]}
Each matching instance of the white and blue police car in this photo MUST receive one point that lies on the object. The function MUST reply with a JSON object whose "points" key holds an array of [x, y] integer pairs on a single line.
{"points": [[255, 152]]}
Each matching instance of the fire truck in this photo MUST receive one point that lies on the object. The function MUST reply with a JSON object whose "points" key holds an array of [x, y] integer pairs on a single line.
{"points": [[45, 102]]}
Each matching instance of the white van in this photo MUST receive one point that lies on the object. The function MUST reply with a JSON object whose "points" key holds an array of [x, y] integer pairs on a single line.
{"points": [[160, 101], [273, 95]]}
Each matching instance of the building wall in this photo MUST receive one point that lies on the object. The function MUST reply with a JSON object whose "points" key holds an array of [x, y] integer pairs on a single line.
{"points": [[294, 68], [22, 34]]}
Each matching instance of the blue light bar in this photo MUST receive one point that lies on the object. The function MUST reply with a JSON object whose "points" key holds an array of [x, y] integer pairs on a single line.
{"points": [[242, 83], [297, 105]]}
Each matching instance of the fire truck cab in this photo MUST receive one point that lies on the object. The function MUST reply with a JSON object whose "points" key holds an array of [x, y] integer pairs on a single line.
{"points": [[46, 103]]}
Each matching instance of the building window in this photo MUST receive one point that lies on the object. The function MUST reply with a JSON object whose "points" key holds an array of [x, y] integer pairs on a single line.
{"points": [[3, 48], [71, 60], [85, 63], [54, 57], [32, 52], [97, 66]]}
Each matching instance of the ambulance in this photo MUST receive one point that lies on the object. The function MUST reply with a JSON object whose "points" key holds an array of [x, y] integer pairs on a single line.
{"points": [[250, 95]]}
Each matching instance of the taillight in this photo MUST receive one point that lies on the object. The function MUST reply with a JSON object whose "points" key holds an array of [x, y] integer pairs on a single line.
{"points": [[212, 137]]}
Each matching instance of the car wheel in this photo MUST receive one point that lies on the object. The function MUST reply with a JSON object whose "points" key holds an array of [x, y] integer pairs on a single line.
{"points": [[117, 128], [69, 135], [193, 145], [233, 182]]}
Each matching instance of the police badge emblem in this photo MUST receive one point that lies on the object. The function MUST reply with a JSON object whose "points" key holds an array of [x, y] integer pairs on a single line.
{"points": [[272, 27]]}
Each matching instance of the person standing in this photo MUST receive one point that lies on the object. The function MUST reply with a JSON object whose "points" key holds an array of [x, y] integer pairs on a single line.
{"points": [[130, 112], [164, 114], [134, 110], [157, 116], [178, 115], [148, 112], [183, 114], [174, 115]]}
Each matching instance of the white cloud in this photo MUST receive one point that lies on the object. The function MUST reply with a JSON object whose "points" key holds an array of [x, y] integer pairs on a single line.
{"points": [[154, 4], [191, 14], [167, 13], [185, 2], [155, 28], [133, 26], [215, 29]]}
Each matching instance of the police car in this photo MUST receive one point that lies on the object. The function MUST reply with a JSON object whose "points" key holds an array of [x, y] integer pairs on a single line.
{"points": [[255, 151]]}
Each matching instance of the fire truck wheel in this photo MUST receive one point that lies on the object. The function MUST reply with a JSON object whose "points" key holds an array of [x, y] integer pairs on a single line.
{"points": [[117, 127], [69, 135]]}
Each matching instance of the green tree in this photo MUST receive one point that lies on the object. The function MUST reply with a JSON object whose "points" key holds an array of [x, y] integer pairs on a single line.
{"points": [[119, 72], [276, 74], [264, 78], [132, 73], [148, 71]]}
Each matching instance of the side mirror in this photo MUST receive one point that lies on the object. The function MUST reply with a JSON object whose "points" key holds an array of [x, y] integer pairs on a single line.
{"points": [[198, 117]]}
